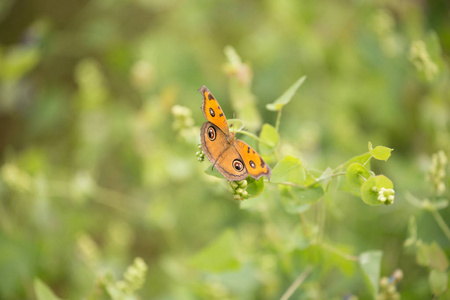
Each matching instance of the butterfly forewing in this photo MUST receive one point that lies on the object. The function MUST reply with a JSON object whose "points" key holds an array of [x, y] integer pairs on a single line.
{"points": [[233, 158], [212, 111]]}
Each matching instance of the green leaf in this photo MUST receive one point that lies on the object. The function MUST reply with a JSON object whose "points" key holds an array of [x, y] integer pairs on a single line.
{"points": [[297, 200], [440, 204], [18, 62], [368, 195], [213, 172], [415, 201], [288, 170], [432, 256], [219, 256], [363, 159], [290, 202], [423, 255], [380, 152], [43, 292], [255, 187], [438, 260], [325, 178], [356, 173], [370, 262], [438, 282], [235, 125], [270, 139], [310, 178], [286, 97]]}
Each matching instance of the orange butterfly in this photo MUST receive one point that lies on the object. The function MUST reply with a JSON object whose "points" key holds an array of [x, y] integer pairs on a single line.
{"points": [[233, 158]]}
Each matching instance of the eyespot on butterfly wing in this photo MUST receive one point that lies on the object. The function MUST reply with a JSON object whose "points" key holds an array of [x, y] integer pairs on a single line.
{"points": [[234, 159], [256, 166], [212, 111], [224, 156]]}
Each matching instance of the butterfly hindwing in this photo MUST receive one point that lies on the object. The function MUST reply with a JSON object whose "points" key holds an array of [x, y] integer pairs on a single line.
{"points": [[233, 158], [224, 156], [256, 167], [212, 111]]}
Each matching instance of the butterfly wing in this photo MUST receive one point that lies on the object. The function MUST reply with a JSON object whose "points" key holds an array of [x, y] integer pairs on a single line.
{"points": [[255, 165], [224, 156], [212, 111]]}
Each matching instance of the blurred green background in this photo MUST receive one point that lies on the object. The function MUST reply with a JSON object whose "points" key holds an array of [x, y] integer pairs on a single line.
{"points": [[96, 168]]}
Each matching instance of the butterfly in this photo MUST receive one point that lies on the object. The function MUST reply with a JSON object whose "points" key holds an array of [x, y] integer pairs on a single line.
{"points": [[233, 158]]}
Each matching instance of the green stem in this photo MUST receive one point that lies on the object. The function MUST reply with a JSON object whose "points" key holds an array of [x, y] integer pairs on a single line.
{"points": [[441, 223], [321, 217], [347, 162], [309, 185], [297, 282], [339, 252], [277, 123], [254, 137], [304, 224]]}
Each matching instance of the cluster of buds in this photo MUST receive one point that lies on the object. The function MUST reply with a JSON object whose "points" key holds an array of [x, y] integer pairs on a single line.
{"points": [[183, 123], [388, 286], [384, 195], [383, 24], [238, 189], [200, 154], [421, 59], [183, 117], [437, 173]]}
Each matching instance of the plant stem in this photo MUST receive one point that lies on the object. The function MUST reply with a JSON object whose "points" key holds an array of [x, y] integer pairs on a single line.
{"points": [[297, 282], [304, 224], [347, 162], [321, 217], [339, 252], [254, 137], [277, 123], [441, 222], [312, 184]]}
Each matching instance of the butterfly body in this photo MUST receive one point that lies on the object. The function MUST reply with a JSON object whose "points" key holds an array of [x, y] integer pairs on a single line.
{"points": [[233, 158]]}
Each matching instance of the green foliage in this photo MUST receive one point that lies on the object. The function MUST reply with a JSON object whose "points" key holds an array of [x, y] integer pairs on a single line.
{"points": [[284, 99], [370, 263], [219, 256], [101, 196], [288, 170], [269, 139], [43, 292]]}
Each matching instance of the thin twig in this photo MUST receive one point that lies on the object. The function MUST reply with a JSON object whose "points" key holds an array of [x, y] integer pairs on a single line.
{"points": [[309, 185], [254, 137], [297, 282], [339, 252], [277, 124], [437, 216]]}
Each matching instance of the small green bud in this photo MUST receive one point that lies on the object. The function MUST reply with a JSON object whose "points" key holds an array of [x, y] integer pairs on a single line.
{"points": [[233, 184], [239, 191], [237, 197], [243, 183], [384, 282], [395, 296], [391, 289]]}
